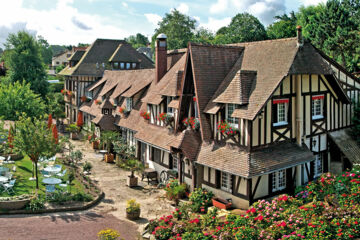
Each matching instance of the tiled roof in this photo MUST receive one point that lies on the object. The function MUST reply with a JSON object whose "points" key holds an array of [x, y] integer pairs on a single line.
{"points": [[237, 161], [210, 66], [105, 122], [125, 53], [346, 144], [96, 58], [77, 55], [190, 144], [91, 108], [174, 103], [106, 104]]}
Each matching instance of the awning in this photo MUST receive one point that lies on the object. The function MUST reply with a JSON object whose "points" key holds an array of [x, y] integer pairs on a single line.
{"points": [[174, 103], [347, 145]]}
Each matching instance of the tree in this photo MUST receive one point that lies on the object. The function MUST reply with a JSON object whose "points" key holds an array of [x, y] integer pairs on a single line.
{"points": [[204, 36], [45, 50], [178, 27], [334, 28], [17, 98], [35, 139], [244, 27], [138, 40], [24, 61], [285, 27]]}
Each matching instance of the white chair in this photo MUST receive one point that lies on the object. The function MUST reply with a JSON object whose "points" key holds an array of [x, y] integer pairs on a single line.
{"points": [[62, 174], [8, 175], [49, 190], [9, 187], [45, 174]]}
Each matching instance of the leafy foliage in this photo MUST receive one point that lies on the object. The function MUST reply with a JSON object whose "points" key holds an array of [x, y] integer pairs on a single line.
{"points": [[201, 199], [138, 40], [178, 28], [285, 27], [17, 98], [24, 61]]}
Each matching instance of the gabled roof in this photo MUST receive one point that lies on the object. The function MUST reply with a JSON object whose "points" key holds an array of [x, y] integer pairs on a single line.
{"points": [[94, 60], [76, 56], [106, 104], [237, 161], [210, 65], [126, 53], [105, 122]]}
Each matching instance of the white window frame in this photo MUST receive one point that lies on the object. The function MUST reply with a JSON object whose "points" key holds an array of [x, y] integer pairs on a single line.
{"points": [[317, 113], [175, 164], [318, 165], [169, 110], [129, 104], [280, 114], [278, 180], [229, 109], [225, 182]]}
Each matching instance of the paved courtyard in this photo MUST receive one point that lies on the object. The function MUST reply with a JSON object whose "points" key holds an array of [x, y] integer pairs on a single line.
{"points": [[110, 213]]}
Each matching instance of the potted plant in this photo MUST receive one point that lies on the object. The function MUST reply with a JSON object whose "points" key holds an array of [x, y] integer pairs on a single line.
{"points": [[87, 167], [175, 191], [74, 130], [132, 209], [108, 234], [107, 138], [95, 142], [132, 165]]}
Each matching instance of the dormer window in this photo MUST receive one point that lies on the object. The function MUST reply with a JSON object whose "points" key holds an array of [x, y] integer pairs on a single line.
{"points": [[169, 110], [129, 104], [317, 107], [122, 65], [127, 65], [116, 65], [280, 112], [133, 65], [234, 122]]}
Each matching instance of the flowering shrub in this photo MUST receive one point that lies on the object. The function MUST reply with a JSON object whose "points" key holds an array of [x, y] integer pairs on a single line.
{"points": [[327, 208], [175, 190], [191, 122], [145, 115], [225, 128], [108, 234], [162, 116], [201, 200]]}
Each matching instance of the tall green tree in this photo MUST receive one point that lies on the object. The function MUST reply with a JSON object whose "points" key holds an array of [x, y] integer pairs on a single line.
{"points": [[284, 27], [244, 27], [17, 98], [35, 139], [45, 50], [56, 105], [178, 27], [24, 61], [203, 35], [334, 28], [138, 40]]}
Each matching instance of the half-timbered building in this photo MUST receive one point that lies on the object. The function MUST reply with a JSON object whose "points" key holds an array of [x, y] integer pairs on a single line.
{"points": [[246, 121]]}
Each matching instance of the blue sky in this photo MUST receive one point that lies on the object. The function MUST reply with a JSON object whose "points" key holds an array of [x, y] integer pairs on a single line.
{"points": [[74, 21]]}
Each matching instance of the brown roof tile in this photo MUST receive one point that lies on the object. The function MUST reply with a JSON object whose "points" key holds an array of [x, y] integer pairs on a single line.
{"points": [[237, 161], [346, 144], [174, 103], [105, 122], [126, 53]]}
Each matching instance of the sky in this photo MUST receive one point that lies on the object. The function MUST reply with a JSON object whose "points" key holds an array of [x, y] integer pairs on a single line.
{"points": [[69, 22]]}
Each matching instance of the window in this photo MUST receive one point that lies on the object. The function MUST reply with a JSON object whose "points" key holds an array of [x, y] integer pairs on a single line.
{"points": [[280, 112], [156, 155], [318, 168], [127, 65], [229, 110], [133, 65], [169, 110], [57, 62], [124, 135], [116, 65], [226, 182], [122, 65], [129, 104], [175, 164], [278, 180], [317, 107]]}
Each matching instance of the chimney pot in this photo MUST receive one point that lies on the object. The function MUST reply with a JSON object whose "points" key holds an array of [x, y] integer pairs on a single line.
{"points": [[300, 40]]}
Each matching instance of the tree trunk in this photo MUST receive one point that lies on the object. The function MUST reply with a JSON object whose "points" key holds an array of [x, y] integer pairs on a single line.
{"points": [[36, 173], [33, 168], [132, 174]]}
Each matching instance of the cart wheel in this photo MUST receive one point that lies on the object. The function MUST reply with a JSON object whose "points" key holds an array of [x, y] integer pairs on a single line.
{"points": [[163, 177]]}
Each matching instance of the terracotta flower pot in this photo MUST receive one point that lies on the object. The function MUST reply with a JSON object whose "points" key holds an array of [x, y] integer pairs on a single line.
{"points": [[221, 203], [109, 158], [95, 144]]}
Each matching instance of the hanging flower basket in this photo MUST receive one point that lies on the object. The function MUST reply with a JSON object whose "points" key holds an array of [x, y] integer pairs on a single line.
{"points": [[97, 101], [124, 111], [145, 115], [225, 128], [63, 91], [192, 122]]}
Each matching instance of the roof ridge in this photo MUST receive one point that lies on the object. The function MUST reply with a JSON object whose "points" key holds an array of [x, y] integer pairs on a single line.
{"points": [[263, 41], [215, 45]]}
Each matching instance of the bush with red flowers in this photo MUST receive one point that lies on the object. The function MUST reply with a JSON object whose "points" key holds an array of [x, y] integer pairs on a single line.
{"points": [[145, 115], [192, 122], [225, 128]]}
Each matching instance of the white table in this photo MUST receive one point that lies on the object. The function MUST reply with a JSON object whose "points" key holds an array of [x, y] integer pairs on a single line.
{"points": [[3, 179], [52, 170], [51, 181]]}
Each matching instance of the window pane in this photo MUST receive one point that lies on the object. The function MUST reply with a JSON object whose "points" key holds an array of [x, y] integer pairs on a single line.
{"points": [[127, 65], [134, 65], [230, 110], [122, 65], [281, 112]]}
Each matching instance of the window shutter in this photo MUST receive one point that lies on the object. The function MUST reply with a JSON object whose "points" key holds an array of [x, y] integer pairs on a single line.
{"points": [[274, 113], [325, 162], [289, 180], [170, 161], [312, 170], [217, 178], [270, 182], [233, 184]]}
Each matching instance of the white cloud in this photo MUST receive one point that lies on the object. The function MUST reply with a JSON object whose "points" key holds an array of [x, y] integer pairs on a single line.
{"points": [[214, 24], [196, 18], [312, 2], [125, 4], [219, 7], [265, 10], [183, 8], [153, 18]]}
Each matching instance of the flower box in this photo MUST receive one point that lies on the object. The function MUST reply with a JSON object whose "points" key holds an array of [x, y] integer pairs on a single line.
{"points": [[133, 215], [221, 203], [109, 158]]}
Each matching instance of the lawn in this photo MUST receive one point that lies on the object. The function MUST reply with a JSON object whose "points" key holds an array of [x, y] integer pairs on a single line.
{"points": [[25, 186]]}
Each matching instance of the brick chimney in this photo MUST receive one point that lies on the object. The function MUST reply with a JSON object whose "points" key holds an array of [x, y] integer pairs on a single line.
{"points": [[300, 40], [161, 56]]}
